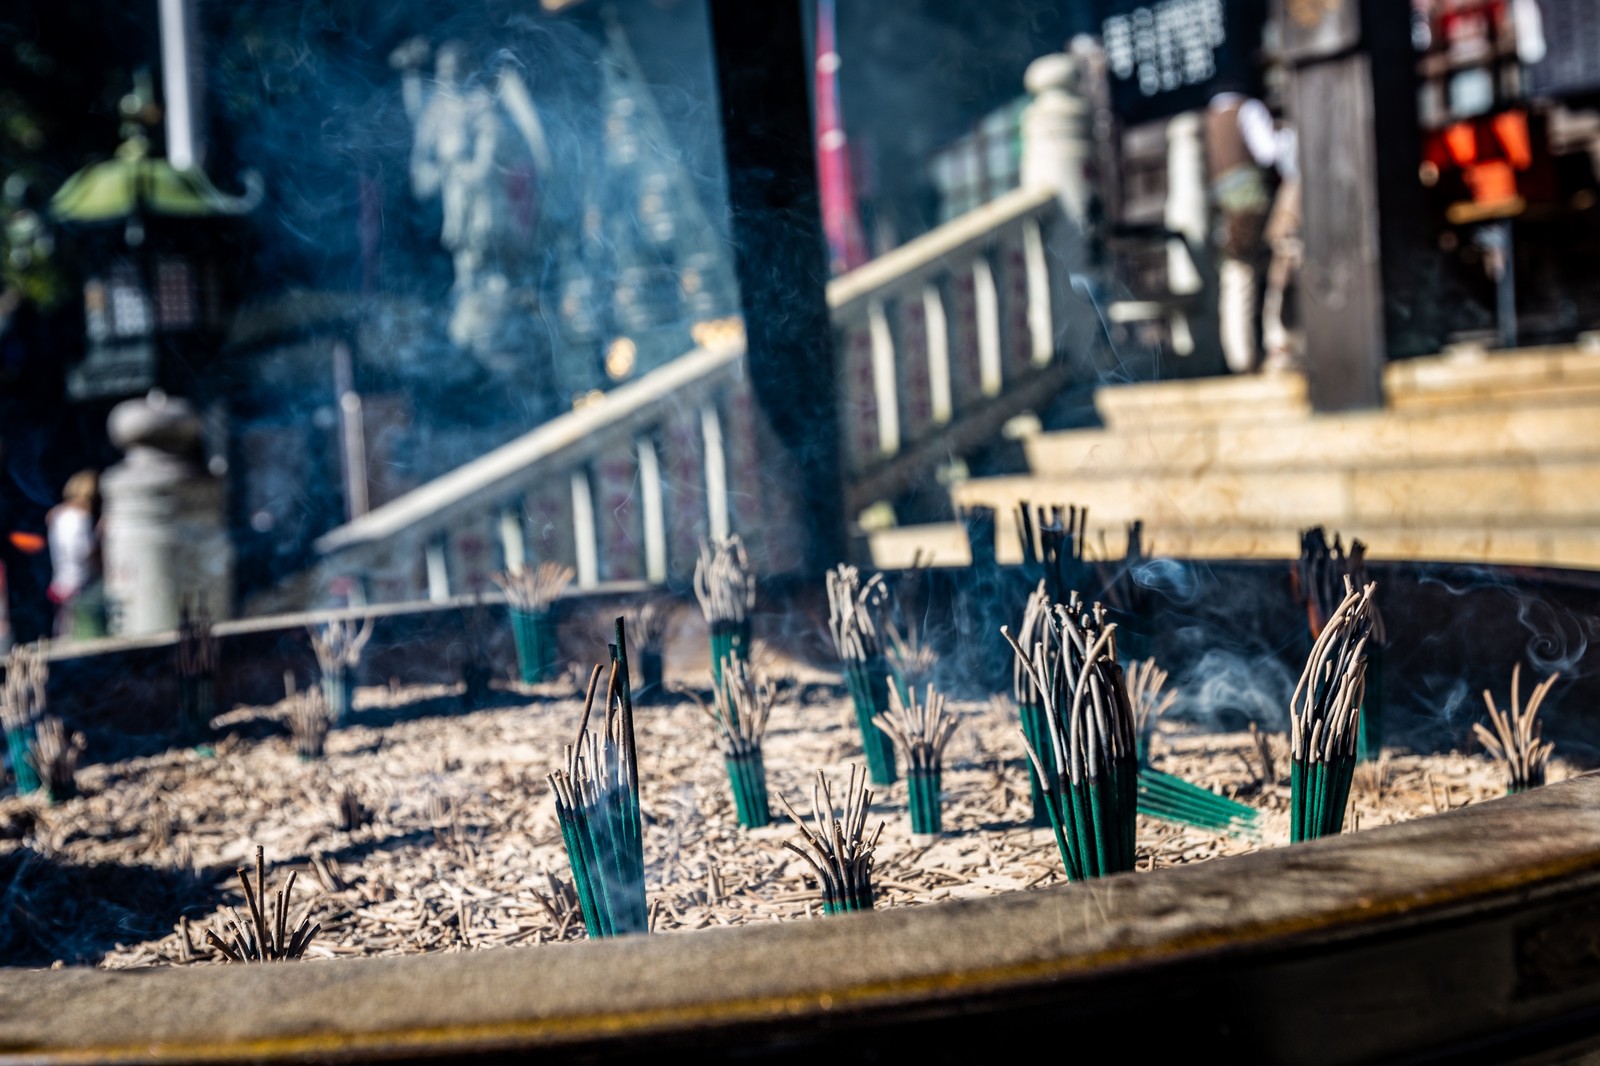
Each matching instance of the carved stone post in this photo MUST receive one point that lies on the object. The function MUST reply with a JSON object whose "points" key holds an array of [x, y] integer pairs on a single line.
{"points": [[1057, 135], [165, 532]]}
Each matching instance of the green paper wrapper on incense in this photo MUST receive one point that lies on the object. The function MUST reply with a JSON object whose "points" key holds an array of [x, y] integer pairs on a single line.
{"points": [[869, 687], [729, 640], [534, 635], [920, 729], [196, 707], [927, 816], [22, 706], [747, 775], [726, 589], [19, 747], [338, 694], [739, 710], [1173, 799], [1036, 732]]}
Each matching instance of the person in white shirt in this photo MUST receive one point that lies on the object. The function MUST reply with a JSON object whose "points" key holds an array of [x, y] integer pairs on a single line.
{"points": [[71, 528]]}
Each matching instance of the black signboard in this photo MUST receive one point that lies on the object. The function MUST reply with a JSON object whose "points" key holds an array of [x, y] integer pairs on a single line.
{"points": [[1170, 56], [1571, 62]]}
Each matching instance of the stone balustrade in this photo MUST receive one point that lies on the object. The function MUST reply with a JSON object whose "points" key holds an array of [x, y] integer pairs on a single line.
{"points": [[940, 342]]}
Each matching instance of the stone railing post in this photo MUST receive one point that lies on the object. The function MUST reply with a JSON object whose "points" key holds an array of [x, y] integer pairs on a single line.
{"points": [[1057, 132], [165, 532]]}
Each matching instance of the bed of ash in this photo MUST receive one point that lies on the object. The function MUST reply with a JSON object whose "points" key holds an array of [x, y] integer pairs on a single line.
{"points": [[462, 851]]}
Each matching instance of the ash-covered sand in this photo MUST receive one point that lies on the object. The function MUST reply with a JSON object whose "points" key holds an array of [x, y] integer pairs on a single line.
{"points": [[463, 852]]}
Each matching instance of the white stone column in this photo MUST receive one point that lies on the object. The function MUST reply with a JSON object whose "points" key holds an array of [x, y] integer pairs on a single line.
{"points": [[165, 528], [1186, 211], [1057, 135]]}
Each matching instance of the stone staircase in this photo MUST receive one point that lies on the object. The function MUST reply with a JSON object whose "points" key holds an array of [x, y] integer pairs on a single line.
{"points": [[1493, 459]]}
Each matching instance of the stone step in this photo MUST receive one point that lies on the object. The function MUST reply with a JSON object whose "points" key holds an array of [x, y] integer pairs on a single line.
{"points": [[945, 544], [1565, 426], [1532, 374], [1508, 492]]}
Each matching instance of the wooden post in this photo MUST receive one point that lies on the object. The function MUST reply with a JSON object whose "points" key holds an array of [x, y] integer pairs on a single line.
{"points": [[1358, 169], [762, 78]]}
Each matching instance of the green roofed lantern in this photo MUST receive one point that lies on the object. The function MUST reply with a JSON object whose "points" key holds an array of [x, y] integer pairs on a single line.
{"points": [[133, 184], [156, 295]]}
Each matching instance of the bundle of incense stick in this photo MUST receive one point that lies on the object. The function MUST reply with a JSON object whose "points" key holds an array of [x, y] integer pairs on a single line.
{"points": [[739, 711], [1094, 800], [1127, 601], [648, 622], [1150, 697], [338, 645], [265, 938], [840, 854], [921, 731], [308, 723], [55, 757], [1052, 542], [726, 589], [597, 807], [979, 525], [1323, 718], [1030, 707], [530, 594], [1319, 579], [1517, 741], [1168, 796], [906, 645], [912, 658], [197, 672], [22, 704], [853, 609]]}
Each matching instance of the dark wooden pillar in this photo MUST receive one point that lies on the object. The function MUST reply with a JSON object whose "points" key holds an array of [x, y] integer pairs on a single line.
{"points": [[1354, 108], [763, 73]]}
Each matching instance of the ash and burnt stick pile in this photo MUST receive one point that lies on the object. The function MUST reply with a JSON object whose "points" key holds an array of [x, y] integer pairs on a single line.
{"points": [[432, 832], [463, 850]]}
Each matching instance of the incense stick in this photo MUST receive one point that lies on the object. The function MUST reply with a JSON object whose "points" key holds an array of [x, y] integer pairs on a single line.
{"points": [[920, 730], [726, 589], [1053, 541], [740, 709], [1318, 579], [266, 937], [649, 621], [1324, 715], [338, 645], [1517, 741], [197, 666], [531, 593], [22, 704], [597, 808], [1030, 706], [838, 850], [1093, 801], [854, 607]]}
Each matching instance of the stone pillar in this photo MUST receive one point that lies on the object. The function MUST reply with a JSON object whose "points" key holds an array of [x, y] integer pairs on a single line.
{"points": [[165, 528], [1057, 132], [1186, 210]]}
